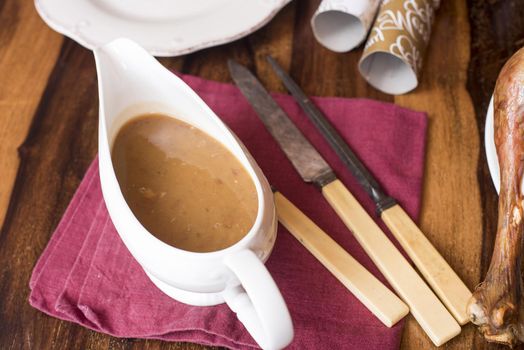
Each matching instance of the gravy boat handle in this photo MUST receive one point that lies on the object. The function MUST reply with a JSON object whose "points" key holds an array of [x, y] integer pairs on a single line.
{"points": [[257, 301]]}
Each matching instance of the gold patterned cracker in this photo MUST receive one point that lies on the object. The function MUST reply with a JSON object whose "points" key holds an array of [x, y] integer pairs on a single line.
{"points": [[393, 55]]}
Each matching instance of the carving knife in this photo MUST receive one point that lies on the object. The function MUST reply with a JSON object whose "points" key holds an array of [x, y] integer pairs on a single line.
{"points": [[427, 309], [437, 272]]}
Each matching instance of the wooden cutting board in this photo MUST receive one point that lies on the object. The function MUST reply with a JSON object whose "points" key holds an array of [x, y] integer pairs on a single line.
{"points": [[48, 105]]}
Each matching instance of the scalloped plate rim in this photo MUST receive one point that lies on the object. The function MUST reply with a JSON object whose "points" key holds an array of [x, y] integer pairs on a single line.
{"points": [[166, 51]]}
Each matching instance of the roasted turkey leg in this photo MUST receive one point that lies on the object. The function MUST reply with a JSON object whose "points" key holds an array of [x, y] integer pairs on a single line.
{"points": [[497, 305]]}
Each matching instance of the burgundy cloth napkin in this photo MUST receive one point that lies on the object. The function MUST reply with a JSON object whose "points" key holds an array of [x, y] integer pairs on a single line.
{"points": [[87, 276]]}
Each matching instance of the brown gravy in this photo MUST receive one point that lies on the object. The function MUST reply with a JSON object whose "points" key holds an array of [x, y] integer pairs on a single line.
{"points": [[184, 186]]}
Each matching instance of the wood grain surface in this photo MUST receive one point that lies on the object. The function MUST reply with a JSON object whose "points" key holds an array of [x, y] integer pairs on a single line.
{"points": [[48, 133], [26, 61]]}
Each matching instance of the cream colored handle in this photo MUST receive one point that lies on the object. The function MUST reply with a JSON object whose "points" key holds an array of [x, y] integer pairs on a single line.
{"points": [[383, 303], [440, 276], [427, 309]]}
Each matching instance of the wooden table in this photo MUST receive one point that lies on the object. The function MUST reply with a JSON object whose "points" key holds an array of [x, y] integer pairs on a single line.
{"points": [[48, 133]]}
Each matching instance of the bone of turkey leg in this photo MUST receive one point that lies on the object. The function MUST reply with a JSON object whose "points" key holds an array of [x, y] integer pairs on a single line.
{"points": [[497, 305]]}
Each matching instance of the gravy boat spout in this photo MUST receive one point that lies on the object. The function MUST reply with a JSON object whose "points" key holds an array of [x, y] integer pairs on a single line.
{"points": [[131, 83]]}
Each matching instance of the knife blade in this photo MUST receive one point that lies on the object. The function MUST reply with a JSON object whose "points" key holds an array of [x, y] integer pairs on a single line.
{"points": [[361, 173], [305, 159], [427, 309], [437, 272]]}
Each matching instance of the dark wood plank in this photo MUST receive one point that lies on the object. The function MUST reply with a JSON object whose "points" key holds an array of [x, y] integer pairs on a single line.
{"points": [[53, 160], [22, 34], [497, 31]]}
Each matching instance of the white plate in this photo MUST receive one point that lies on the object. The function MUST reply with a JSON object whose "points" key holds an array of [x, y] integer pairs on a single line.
{"points": [[489, 144], [163, 27]]}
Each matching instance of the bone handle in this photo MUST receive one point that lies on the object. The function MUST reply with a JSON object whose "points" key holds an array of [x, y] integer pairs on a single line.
{"points": [[440, 276], [385, 305], [427, 309]]}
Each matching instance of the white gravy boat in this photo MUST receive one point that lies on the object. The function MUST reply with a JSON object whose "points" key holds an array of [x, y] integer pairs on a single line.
{"points": [[131, 82]]}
